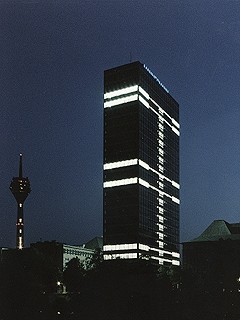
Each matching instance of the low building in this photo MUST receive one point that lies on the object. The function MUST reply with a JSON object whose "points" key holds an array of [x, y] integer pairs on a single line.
{"points": [[62, 253], [214, 257]]}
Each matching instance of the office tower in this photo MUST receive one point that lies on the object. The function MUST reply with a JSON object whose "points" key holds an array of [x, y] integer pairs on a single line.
{"points": [[141, 167], [20, 188]]}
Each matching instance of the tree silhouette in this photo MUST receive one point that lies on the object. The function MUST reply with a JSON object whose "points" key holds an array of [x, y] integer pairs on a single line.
{"points": [[73, 275]]}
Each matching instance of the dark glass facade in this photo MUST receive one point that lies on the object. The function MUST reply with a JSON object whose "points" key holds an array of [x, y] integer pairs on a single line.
{"points": [[141, 166]]}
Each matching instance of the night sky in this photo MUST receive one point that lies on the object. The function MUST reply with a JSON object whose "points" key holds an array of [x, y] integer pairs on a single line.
{"points": [[52, 58]]}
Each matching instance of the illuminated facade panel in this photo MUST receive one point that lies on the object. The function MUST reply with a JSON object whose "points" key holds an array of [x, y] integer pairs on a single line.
{"points": [[141, 166]]}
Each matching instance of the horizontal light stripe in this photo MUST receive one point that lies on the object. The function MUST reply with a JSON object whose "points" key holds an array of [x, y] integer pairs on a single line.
{"points": [[175, 123], [134, 97], [111, 103], [116, 247], [173, 256], [174, 199], [120, 164], [144, 164], [122, 182], [162, 111], [136, 88], [120, 92], [176, 254], [176, 131], [143, 247], [120, 255], [131, 162], [144, 183], [147, 185], [147, 167], [144, 93], [175, 184], [144, 102]]}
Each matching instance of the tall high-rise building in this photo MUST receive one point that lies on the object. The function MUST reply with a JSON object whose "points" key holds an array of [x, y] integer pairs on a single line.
{"points": [[20, 188], [141, 166]]}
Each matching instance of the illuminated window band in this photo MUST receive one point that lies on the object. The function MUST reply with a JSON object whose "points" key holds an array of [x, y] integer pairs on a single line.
{"points": [[116, 247], [133, 95], [161, 111], [131, 162], [121, 256], [122, 182], [134, 256], [120, 92], [146, 104], [134, 246], [123, 100], [135, 180], [175, 256], [147, 185], [120, 164]]}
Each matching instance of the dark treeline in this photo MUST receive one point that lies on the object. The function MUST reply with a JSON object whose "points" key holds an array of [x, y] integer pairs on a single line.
{"points": [[33, 287]]}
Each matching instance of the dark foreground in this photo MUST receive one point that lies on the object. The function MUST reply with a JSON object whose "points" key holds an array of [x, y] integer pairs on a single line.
{"points": [[120, 290]]}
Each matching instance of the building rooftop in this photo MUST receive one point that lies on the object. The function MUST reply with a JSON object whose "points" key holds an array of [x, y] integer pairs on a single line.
{"points": [[220, 230], [95, 243]]}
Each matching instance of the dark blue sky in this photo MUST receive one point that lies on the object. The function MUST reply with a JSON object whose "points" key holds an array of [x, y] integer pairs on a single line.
{"points": [[52, 58]]}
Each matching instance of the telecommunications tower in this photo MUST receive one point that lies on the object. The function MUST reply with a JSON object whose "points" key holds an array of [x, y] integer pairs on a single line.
{"points": [[20, 188]]}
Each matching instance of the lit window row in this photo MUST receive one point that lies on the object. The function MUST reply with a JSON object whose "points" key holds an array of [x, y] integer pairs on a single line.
{"points": [[144, 102], [144, 164], [161, 111], [116, 247], [122, 182], [174, 199], [161, 261], [144, 93], [126, 163], [147, 185], [120, 92], [144, 183], [160, 251], [116, 102], [143, 247], [176, 254], [174, 122], [175, 184], [120, 164], [120, 255], [147, 167], [133, 89]]}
